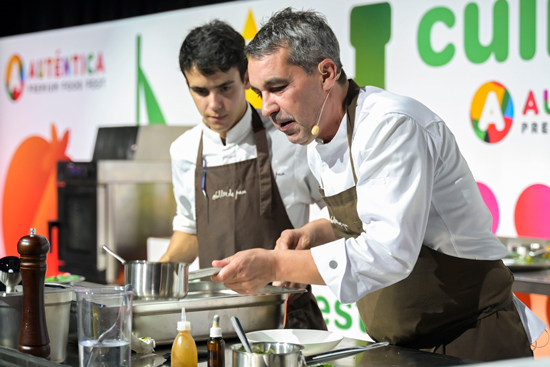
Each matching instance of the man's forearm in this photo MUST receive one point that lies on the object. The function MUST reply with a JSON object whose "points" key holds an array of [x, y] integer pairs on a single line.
{"points": [[296, 266], [322, 231], [183, 247]]}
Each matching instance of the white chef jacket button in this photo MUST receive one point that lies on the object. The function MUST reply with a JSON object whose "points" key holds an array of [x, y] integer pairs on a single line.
{"points": [[333, 264]]}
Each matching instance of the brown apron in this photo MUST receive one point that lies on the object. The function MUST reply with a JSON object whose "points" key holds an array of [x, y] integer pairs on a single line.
{"points": [[447, 304], [238, 207]]}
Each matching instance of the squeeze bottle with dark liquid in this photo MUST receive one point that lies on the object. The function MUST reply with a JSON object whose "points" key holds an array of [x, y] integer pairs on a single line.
{"points": [[216, 345]]}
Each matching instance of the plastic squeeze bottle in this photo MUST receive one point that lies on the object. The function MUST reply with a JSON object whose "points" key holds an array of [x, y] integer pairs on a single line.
{"points": [[184, 349], [216, 345]]}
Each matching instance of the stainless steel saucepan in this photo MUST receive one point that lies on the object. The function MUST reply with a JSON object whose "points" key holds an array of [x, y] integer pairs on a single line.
{"points": [[269, 354], [160, 280]]}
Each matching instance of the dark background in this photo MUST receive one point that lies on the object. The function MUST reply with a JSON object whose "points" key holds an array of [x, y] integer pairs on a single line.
{"points": [[23, 16]]}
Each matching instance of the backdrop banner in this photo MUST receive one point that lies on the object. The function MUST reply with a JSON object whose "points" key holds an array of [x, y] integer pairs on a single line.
{"points": [[480, 65]]}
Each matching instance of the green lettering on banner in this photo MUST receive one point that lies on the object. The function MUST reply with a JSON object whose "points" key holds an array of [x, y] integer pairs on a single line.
{"points": [[325, 307], [154, 114], [344, 314], [370, 31], [475, 51], [527, 29], [423, 39]]}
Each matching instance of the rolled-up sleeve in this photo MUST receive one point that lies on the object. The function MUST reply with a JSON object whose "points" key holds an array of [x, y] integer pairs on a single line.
{"points": [[394, 165]]}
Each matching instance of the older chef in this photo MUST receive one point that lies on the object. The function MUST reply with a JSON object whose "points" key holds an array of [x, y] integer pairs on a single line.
{"points": [[409, 237], [238, 182]]}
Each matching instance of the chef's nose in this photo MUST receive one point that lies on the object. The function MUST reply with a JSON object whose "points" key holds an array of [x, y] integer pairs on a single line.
{"points": [[215, 101], [268, 105]]}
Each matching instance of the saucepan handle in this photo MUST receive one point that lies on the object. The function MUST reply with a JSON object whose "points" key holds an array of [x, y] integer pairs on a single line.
{"points": [[341, 353]]}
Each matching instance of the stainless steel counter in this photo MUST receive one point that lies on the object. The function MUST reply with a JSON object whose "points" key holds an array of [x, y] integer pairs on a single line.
{"points": [[532, 282], [386, 356]]}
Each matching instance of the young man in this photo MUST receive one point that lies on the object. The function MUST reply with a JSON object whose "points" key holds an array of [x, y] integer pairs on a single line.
{"points": [[409, 238], [238, 183]]}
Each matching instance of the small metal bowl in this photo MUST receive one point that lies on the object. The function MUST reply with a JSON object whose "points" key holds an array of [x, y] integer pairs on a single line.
{"points": [[284, 355]]}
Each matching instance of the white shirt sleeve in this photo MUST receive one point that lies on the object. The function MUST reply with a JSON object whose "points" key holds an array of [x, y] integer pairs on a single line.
{"points": [[183, 179], [395, 169]]}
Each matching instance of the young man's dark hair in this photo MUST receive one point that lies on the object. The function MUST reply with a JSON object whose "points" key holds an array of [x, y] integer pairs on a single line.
{"points": [[213, 47]]}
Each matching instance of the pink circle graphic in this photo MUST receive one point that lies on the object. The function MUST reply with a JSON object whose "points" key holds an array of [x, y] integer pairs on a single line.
{"points": [[532, 214], [491, 202]]}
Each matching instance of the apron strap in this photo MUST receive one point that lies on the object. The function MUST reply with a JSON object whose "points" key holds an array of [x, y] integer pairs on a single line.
{"points": [[200, 181], [351, 103], [264, 165]]}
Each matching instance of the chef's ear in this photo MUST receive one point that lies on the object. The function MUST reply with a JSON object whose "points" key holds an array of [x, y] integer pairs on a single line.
{"points": [[329, 74], [246, 80]]}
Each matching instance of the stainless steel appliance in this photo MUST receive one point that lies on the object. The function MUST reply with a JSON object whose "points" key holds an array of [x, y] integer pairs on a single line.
{"points": [[57, 301], [158, 318], [119, 199]]}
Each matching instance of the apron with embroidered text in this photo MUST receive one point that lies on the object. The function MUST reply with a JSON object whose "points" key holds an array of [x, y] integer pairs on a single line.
{"points": [[447, 304], [238, 207]]}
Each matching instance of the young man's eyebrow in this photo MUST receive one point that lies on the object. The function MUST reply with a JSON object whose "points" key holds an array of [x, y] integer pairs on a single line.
{"points": [[225, 84]]}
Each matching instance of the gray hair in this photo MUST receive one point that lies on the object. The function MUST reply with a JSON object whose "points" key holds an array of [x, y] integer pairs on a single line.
{"points": [[305, 34]]}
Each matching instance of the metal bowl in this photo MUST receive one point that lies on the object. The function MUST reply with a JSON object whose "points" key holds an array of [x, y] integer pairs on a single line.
{"points": [[268, 355]]}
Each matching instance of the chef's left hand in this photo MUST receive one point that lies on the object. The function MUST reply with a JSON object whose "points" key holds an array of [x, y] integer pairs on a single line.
{"points": [[246, 271]]}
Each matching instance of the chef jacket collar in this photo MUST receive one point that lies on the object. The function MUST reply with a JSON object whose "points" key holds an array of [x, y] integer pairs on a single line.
{"points": [[234, 136]]}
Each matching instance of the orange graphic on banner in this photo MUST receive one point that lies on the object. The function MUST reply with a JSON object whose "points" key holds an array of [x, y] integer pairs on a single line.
{"points": [[30, 192]]}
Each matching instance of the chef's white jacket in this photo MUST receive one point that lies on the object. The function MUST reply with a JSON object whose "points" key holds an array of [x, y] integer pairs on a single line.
{"points": [[297, 186], [414, 187]]}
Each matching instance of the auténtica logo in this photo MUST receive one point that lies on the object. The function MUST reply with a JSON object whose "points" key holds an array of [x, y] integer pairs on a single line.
{"points": [[15, 78], [492, 112]]}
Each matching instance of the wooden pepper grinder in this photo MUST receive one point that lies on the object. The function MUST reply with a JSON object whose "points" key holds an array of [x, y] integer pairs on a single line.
{"points": [[34, 337]]}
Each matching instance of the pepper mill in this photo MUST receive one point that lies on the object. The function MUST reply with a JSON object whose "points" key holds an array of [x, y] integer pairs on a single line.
{"points": [[34, 337]]}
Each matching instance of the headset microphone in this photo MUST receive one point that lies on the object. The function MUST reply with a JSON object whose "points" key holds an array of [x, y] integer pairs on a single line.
{"points": [[315, 129]]}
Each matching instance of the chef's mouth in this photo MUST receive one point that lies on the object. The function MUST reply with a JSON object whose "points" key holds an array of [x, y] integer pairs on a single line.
{"points": [[285, 125]]}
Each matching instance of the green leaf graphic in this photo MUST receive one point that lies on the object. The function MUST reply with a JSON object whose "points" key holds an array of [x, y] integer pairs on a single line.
{"points": [[154, 113]]}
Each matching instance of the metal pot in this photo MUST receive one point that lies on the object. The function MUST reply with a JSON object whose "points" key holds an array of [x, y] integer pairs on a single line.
{"points": [[159, 280], [289, 355], [57, 302]]}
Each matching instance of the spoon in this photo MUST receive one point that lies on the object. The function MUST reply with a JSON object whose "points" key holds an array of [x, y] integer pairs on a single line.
{"points": [[241, 334]]}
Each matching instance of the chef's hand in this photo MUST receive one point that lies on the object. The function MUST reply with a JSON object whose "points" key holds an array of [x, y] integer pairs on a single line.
{"points": [[246, 271], [294, 239]]}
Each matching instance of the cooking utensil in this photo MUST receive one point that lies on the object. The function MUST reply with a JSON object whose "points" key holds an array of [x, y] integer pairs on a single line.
{"points": [[240, 333], [289, 355], [10, 272], [313, 341], [159, 280], [113, 254]]}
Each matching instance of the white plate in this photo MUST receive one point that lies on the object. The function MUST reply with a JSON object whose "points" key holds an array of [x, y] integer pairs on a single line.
{"points": [[314, 341]]}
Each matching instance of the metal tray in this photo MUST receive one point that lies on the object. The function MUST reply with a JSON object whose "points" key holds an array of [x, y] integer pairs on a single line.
{"points": [[515, 265], [262, 310]]}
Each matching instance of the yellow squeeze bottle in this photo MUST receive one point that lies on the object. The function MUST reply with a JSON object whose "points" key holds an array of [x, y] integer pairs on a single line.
{"points": [[184, 349]]}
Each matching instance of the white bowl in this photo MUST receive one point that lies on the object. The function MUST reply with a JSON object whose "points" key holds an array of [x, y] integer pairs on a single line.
{"points": [[314, 341]]}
